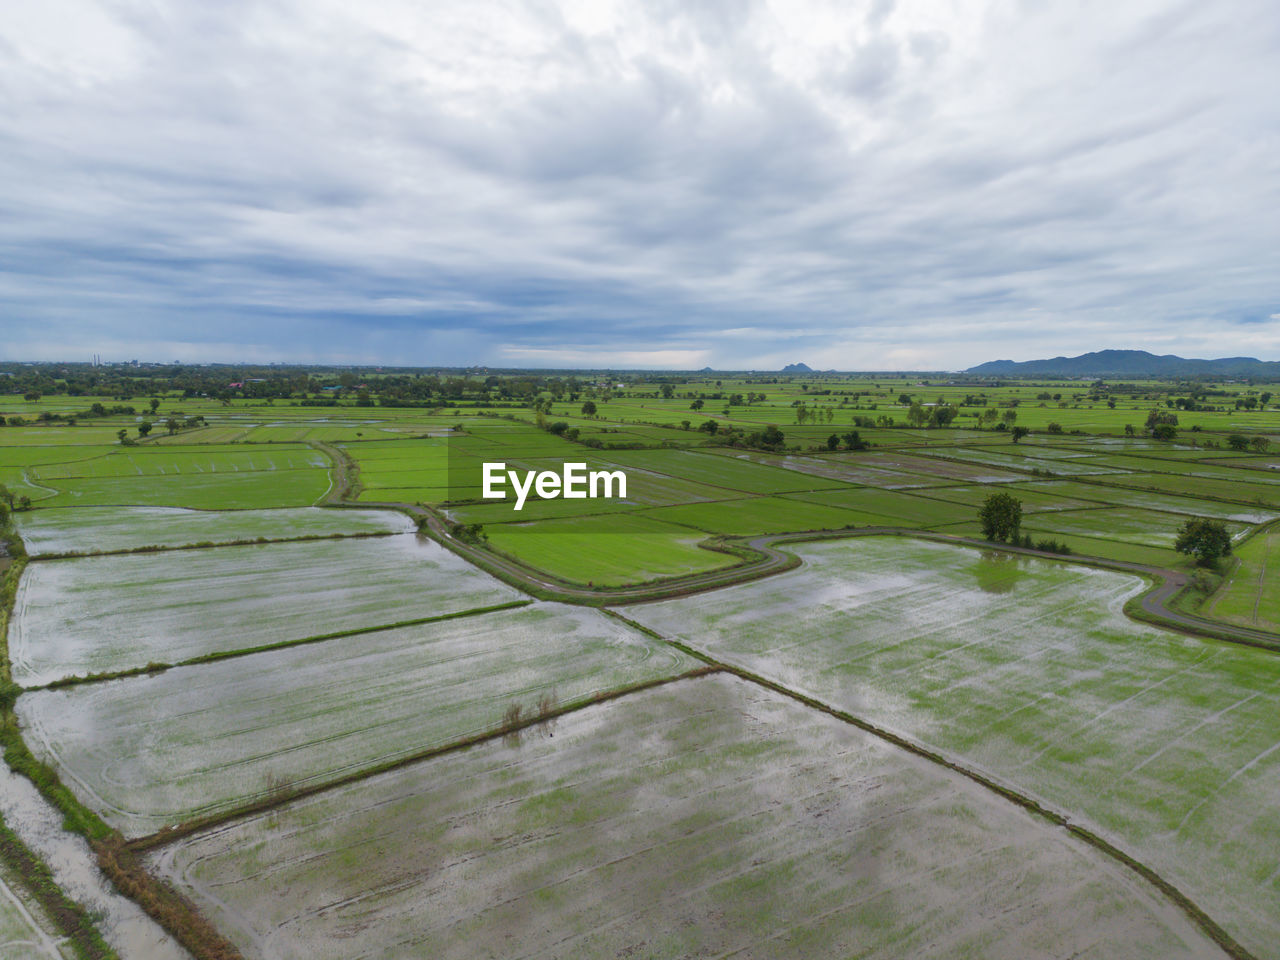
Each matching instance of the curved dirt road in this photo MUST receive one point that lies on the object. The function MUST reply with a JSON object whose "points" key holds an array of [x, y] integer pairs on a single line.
{"points": [[773, 560]]}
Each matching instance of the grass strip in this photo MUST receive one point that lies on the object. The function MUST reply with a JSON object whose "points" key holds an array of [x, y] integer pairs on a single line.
{"points": [[344, 484], [67, 915], [513, 723], [163, 903], [154, 668]]}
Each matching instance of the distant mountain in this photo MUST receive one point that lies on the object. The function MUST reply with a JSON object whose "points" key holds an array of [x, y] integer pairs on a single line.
{"points": [[1129, 363], [797, 368]]}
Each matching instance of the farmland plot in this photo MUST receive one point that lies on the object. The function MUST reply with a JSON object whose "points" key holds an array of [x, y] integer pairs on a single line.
{"points": [[707, 817], [608, 549], [146, 751], [99, 614], [1114, 496], [1130, 526], [105, 529], [244, 490], [1027, 669], [26, 933], [1251, 593]]}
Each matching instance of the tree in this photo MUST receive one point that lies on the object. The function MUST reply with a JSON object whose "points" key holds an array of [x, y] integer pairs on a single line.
{"points": [[667, 391], [1020, 432], [173, 425], [710, 426], [1001, 517], [916, 415], [589, 409], [942, 414], [696, 405], [1238, 441], [772, 436], [123, 434], [1054, 428], [144, 428], [155, 404], [6, 495], [833, 441], [1206, 540], [1164, 431], [1260, 444]]}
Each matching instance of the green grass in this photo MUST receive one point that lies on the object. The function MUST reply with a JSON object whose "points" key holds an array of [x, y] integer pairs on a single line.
{"points": [[220, 491], [756, 515], [892, 507], [608, 550], [1250, 595]]}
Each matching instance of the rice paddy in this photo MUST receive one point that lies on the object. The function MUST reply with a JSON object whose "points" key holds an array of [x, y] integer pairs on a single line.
{"points": [[379, 750], [102, 614], [705, 818]]}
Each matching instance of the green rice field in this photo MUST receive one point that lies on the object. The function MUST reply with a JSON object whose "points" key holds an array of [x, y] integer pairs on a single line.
{"points": [[376, 749]]}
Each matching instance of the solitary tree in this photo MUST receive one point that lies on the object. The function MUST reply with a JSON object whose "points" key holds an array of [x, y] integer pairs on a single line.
{"points": [[1238, 441], [1001, 517], [1206, 540], [589, 409], [1019, 433], [144, 428]]}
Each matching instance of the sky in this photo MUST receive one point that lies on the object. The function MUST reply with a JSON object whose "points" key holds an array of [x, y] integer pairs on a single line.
{"points": [[672, 184]]}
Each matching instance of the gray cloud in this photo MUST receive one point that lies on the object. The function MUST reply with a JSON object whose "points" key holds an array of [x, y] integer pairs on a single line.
{"points": [[494, 182]]}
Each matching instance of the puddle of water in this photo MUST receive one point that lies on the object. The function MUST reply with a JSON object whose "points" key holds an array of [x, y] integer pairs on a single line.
{"points": [[133, 934]]}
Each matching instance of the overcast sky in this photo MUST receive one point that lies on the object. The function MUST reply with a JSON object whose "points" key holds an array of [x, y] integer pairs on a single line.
{"points": [[870, 185]]}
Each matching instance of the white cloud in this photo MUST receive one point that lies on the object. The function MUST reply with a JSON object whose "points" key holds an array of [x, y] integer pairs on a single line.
{"points": [[928, 181]]}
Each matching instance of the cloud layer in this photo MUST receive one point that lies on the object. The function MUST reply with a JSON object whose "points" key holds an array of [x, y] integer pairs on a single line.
{"points": [[877, 185]]}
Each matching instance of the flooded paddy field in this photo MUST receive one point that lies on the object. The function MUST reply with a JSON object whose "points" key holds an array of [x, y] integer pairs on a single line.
{"points": [[101, 614], [129, 931], [1028, 670], [25, 930], [148, 751], [708, 817], [108, 529]]}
